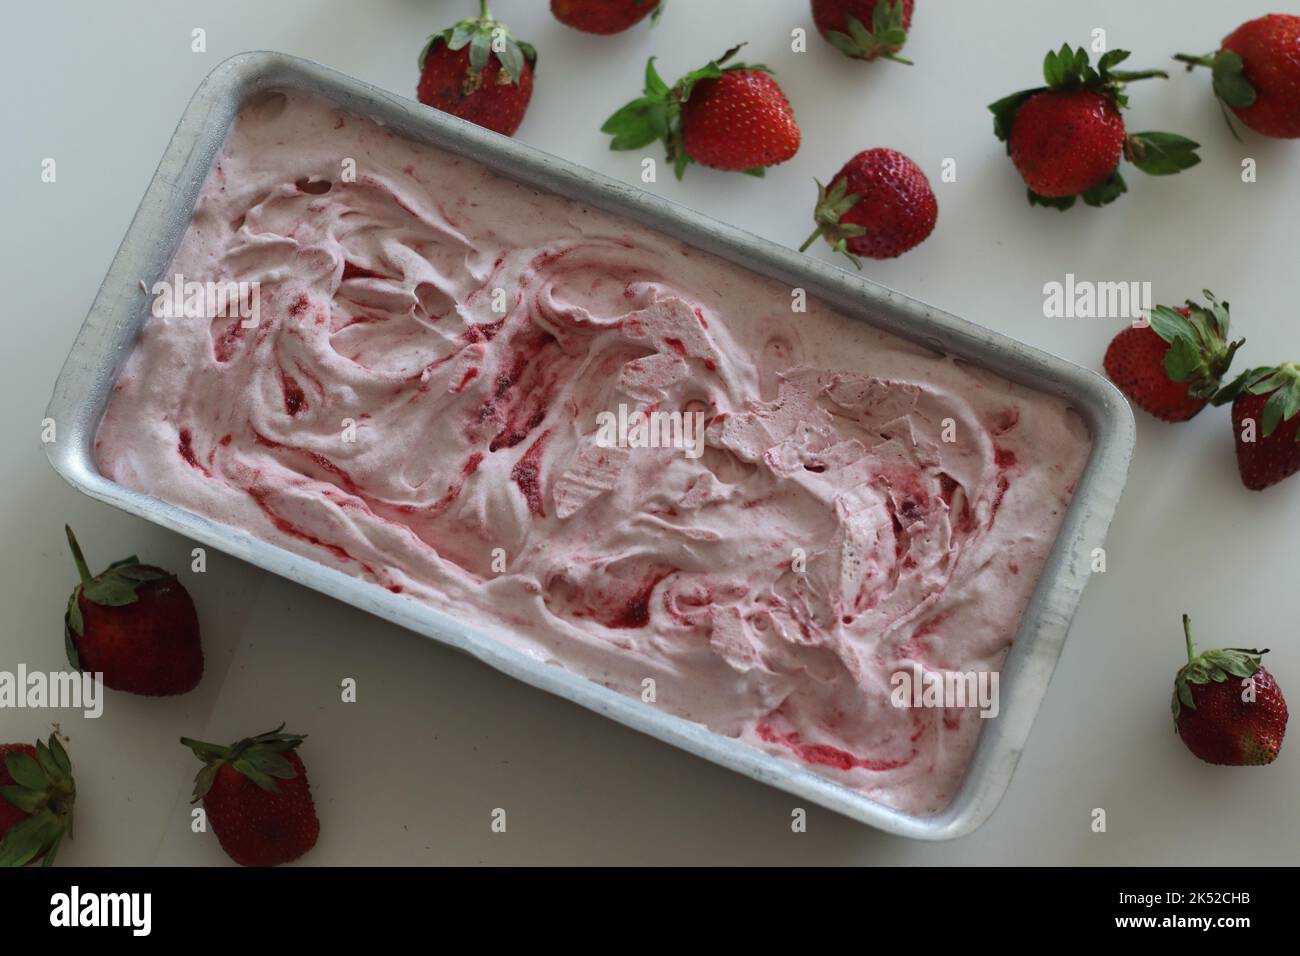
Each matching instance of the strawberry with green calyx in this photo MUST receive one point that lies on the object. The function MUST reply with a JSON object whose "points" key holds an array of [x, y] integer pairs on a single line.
{"points": [[136, 625], [879, 205], [37, 796], [1227, 707], [733, 117], [478, 71], [257, 798], [844, 24], [1257, 74], [1066, 139], [1173, 368], [1265, 423]]}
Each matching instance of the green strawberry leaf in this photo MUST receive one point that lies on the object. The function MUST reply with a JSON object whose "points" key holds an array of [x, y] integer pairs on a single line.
{"points": [[1220, 310], [253, 773], [142, 573], [863, 37], [680, 162], [1274, 379], [270, 763], [512, 59], [24, 798], [638, 124], [1107, 192], [1056, 66], [60, 755], [1054, 202], [26, 771], [1069, 68], [29, 837], [203, 781], [1170, 325], [72, 616], [1183, 361], [844, 43], [1202, 323], [887, 15], [1290, 401], [110, 590], [1230, 83], [70, 647], [48, 859], [45, 757], [461, 34], [654, 83], [1272, 415], [1004, 113], [1237, 386], [1161, 154], [1110, 59], [480, 48], [686, 85]]}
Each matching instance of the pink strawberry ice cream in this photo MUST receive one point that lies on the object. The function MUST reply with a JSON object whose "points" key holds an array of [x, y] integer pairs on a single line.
{"points": [[418, 405]]}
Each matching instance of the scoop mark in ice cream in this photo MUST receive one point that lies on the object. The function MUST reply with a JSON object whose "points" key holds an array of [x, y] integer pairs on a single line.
{"points": [[475, 435]]}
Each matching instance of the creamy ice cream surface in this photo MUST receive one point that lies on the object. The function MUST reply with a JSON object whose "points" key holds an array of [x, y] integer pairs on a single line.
{"points": [[442, 392]]}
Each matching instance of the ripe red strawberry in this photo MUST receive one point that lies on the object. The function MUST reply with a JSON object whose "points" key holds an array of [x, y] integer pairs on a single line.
{"points": [[476, 70], [865, 29], [1227, 708], [733, 118], [1064, 143], [605, 16], [37, 796], [1066, 138], [879, 205], [257, 798], [135, 624], [1265, 423], [1257, 74], [1173, 367]]}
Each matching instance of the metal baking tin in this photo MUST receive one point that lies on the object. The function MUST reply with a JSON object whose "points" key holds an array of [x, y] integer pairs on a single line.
{"points": [[120, 309]]}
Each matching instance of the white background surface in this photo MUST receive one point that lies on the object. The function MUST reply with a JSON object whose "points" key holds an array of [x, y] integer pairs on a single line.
{"points": [[411, 772]]}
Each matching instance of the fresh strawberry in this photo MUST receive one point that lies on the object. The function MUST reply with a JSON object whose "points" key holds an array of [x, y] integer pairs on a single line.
{"points": [[1066, 138], [865, 29], [1227, 708], [37, 795], [1174, 366], [476, 70], [605, 16], [1265, 423], [135, 624], [730, 117], [257, 798], [1257, 74], [879, 205]]}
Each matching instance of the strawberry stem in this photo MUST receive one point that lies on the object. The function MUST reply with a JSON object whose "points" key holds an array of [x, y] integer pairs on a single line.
{"points": [[483, 13], [1194, 61], [1187, 632], [811, 239], [1125, 76], [78, 557]]}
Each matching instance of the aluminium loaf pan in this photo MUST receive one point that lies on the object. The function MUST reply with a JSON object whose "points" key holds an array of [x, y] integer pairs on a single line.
{"points": [[121, 308]]}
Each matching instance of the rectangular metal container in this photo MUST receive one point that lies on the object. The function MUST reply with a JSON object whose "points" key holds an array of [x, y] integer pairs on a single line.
{"points": [[121, 308]]}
